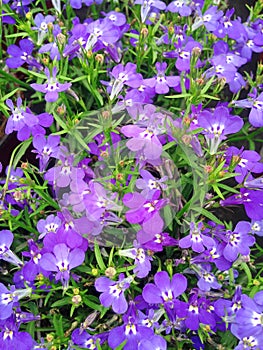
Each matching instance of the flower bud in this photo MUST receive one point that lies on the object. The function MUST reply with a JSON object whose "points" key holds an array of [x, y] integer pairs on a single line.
{"points": [[76, 299], [110, 272], [144, 32], [99, 58]]}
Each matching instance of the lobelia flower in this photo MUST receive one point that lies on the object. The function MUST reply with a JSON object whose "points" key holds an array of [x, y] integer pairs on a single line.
{"points": [[9, 298], [207, 279], [180, 6], [164, 291], [11, 338], [42, 24], [161, 83], [113, 292], [238, 241], [246, 162], [156, 342], [217, 125], [149, 184], [249, 43], [232, 28], [61, 261], [50, 224], [141, 259], [237, 83], [252, 201], [196, 239], [85, 340], [6, 239], [46, 148], [25, 122], [52, 47], [257, 227], [256, 104], [21, 54], [131, 331], [210, 19], [147, 6], [77, 4], [52, 86]]}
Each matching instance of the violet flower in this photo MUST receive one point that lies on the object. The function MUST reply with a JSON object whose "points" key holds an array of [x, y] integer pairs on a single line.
{"points": [[11, 338], [8, 298], [52, 86], [210, 19], [257, 227], [42, 23], [6, 239], [217, 125], [45, 149], [196, 239], [61, 261], [21, 54], [50, 224], [113, 292], [180, 6], [256, 104], [161, 82], [156, 342], [252, 201], [147, 6], [164, 291], [84, 340]]}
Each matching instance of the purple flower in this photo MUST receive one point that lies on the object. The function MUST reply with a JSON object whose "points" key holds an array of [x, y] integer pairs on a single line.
{"points": [[52, 47], [238, 241], [42, 23], [11, 338], [180, 6], [141, 259], [50, 224], [10, 297], [217, 125], [20, 54], [196, 239], [207, 279], [149, 184], [257, 227], [256, 105], [161, 82], [147, 6], [52, 87], [245, 162], [252, 201], [25, 122], [6, 239], [61, 261], [45, 149], [156, 342], [210, 19], [113, 292], [164, 290]]}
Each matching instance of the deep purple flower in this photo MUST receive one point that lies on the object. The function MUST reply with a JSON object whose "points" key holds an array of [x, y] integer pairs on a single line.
{"points": [[131, 331], [147, 6], [217, 125], [61, 261], [45, 149], [20, 54], [252, 201], [52, 87], [164, 290], [161, 82], [196, 239], [113, 292], [11, 338]]}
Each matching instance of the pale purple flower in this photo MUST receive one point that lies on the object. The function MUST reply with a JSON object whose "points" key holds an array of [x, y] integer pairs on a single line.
{"points": [[256, 104], [61, 261], [42, 23], [50, 224], [217, 125], [149, 184], [257, 227], [155, 342], [161, 82], [180, 6], [51, 87], [147, 5], [6, 254], [113, 292], [210, 19]]}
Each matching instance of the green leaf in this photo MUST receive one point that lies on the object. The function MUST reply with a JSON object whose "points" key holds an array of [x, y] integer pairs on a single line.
{"points": [[21, 151], [61, 302], [58, 325], [211, 216], [98, 256], [91, 304]]}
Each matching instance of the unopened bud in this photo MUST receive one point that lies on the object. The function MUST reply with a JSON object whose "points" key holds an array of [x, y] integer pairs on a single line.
{"points": [[94, 272], [50, 337], [61, 38], [50, 26], [76, 299], [61, 110], [144, 32], [186, 139], [24, 165], [99, 58], [110, 272], [196, 51]]}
